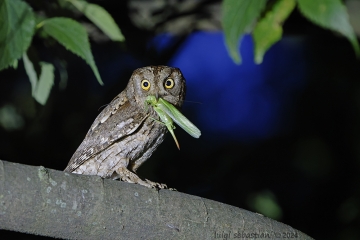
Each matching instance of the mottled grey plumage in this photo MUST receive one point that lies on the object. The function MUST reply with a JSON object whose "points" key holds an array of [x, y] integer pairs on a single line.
{"points": [[125, 134]]}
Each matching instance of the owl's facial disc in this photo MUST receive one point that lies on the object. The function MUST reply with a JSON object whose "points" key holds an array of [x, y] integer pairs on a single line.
{"points": [[159, 81]]}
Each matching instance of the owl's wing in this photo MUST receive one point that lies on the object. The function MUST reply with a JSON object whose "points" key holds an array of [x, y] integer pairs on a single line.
{"points": [[118, 120]]}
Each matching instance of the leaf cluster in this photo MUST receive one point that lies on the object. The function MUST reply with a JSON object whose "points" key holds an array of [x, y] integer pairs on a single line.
{"points": [[20, 23], [264, 20]]}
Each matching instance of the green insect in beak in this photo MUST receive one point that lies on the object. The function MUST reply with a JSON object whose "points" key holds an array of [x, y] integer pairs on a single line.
{"points": [[169, 114]]}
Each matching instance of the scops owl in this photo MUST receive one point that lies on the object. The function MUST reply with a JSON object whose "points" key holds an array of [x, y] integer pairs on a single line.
{"points": [[126, 132]]}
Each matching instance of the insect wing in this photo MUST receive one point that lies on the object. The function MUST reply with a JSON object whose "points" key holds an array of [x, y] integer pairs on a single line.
{"points": [[179, 118], [166, 119]]}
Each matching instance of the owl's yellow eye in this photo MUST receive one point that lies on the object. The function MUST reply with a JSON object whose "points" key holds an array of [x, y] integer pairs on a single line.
{"points": [[145, 84], [169, 83]]}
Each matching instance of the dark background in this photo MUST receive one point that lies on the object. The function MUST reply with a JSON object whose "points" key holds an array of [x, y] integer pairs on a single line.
{"points": [[281, 138]]}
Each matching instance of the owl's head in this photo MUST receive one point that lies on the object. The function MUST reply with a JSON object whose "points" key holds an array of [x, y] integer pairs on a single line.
{"points": [[159, 81]]}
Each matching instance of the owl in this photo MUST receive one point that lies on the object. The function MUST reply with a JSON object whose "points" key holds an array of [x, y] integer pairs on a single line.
{"points": [[126, 132]]}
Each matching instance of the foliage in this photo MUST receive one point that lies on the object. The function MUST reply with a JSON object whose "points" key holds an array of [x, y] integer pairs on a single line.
{"points": [[18, 27], [73, 37], [238, 15], [16, 30], [268, 30], [40, 88], [241, 16], [19, 24]]}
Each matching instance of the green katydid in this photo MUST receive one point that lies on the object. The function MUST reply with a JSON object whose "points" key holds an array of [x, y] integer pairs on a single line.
{"points": [[167, 113]]}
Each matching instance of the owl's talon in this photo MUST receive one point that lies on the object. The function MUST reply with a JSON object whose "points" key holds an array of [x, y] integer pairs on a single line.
{"points": [[158, 185], [126, 180], [127, 176]]}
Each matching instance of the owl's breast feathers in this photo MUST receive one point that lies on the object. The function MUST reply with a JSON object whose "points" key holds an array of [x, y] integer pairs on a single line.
{"points": [[117, 121]]}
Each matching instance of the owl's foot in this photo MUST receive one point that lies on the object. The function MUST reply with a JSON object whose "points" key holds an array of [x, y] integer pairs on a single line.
{"points": [[126, 175], [157, 185]]}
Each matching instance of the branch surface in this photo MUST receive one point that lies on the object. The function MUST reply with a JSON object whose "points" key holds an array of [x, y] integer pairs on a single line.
{"points": [[53, 203]]}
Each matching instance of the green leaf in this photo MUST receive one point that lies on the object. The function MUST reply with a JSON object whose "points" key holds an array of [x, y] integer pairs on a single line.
{"points": [[72, 35], [269, 30], [46, 81], [330, 14], [237, 16], [30, 71], [17, 24], [15, 64], [101, 18], [41, 88]]}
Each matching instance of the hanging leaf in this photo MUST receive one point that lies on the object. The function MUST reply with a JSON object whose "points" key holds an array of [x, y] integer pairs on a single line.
{"points": [[17, 24], [238, 15], [40, 88], [269, 29], [330, 14], [46, 81], [30, 71], [101, 18], [73, 36]]}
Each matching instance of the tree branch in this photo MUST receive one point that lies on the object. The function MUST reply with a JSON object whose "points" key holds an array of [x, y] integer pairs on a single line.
{"points": [[53, 203]]}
